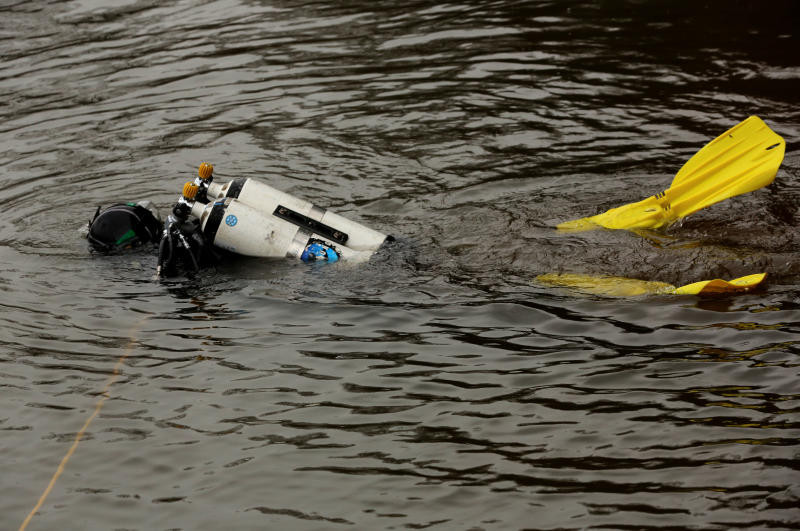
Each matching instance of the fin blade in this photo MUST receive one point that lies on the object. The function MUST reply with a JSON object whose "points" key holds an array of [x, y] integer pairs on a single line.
{"points": [[706, 287], [749, 135], [741, 160]]}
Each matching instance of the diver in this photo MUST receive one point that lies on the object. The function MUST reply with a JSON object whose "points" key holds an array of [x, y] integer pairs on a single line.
{"points": [[249, 218], [137, 225]]}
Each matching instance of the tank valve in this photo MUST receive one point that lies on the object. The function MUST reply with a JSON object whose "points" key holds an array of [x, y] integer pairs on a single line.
{"points": [[205, 171], [190, 191]]}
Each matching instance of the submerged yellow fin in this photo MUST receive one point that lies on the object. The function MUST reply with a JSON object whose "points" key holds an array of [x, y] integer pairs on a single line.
{"points": [[604, 285], [611, 286], [741, 160]]}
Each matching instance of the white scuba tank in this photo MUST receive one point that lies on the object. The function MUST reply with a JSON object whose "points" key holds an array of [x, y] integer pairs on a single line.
{"points": [[235, 226], [273, 202]]}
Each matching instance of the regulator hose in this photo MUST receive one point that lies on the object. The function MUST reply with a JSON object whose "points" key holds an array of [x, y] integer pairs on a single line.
{"points": [[173, 237]]}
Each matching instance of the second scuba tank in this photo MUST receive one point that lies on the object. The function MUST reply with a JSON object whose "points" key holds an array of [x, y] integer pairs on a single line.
{"points": [[304, 214], [235, 226]]}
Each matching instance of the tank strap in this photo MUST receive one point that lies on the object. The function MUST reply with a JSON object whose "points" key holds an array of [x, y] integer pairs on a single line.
{"points": [[311, 225], [214, 219], [235, 188]]}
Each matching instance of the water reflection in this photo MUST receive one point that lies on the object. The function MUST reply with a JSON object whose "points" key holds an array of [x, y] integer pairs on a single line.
{"points": [[437, 387]]}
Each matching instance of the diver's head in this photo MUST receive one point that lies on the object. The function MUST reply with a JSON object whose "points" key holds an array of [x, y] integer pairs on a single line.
{"points": [[124, 226]]}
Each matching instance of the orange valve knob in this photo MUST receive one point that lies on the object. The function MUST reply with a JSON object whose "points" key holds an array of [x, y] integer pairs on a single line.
{"points": [[205, 171], [190, 191]]}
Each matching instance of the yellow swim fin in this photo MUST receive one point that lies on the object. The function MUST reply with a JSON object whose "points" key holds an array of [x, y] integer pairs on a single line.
{"points": [[707, 287], [742, 159], [604, 285], [629, 287]]}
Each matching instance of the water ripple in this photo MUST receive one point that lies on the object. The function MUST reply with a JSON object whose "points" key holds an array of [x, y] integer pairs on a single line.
{"points": [[438, 386]]}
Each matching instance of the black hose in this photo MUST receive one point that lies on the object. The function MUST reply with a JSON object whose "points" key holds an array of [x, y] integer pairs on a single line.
{"points": [[166, 251], [188, 248], [161, 252]]}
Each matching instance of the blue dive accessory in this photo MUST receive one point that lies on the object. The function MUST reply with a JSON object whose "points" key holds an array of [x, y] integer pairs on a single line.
{"points": [[318, 250]]}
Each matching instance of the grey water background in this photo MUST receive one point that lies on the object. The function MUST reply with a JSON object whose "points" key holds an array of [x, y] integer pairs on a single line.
{"points": [[439, 386]]}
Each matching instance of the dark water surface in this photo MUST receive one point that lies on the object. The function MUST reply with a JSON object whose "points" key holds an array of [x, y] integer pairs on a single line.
{"points": [[438, 387]]}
